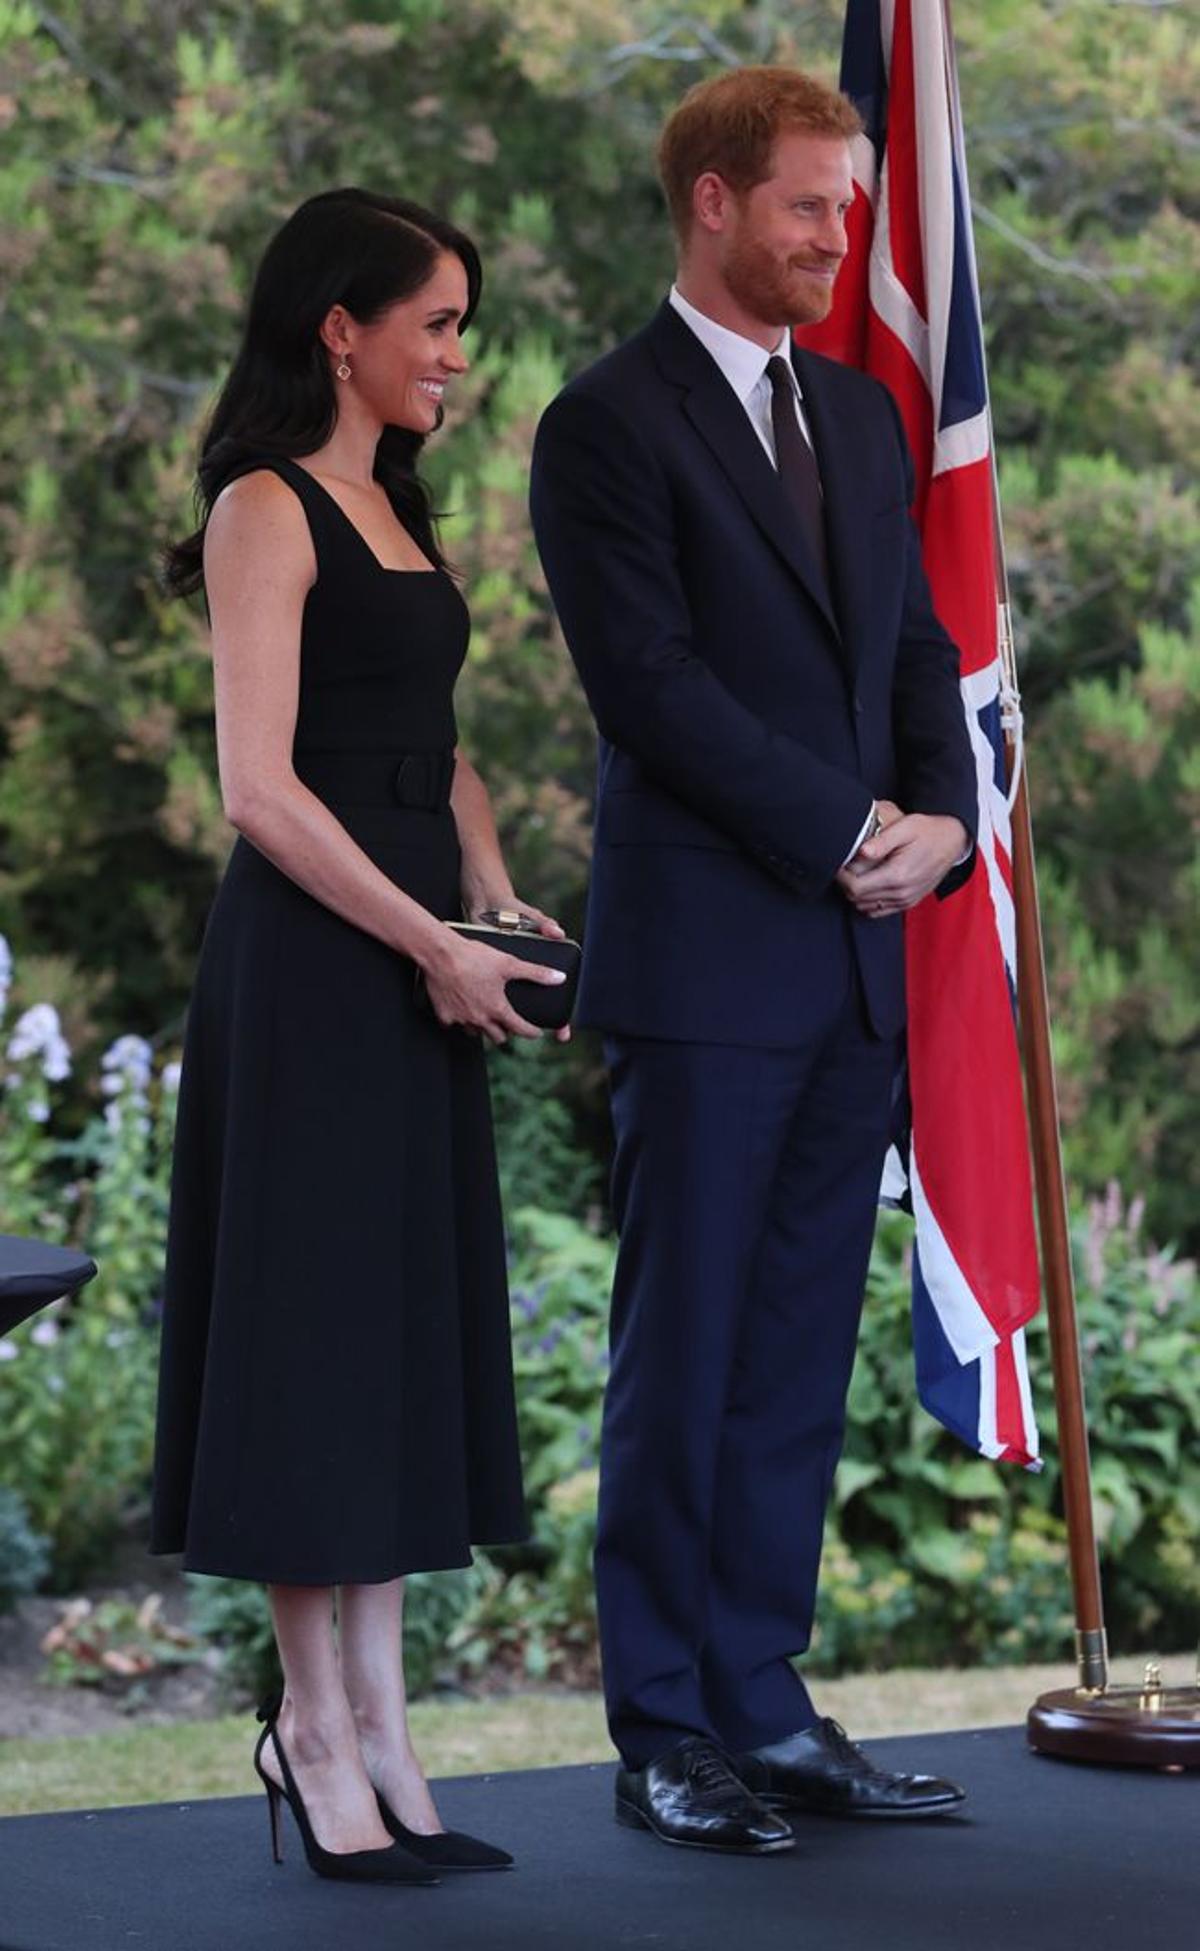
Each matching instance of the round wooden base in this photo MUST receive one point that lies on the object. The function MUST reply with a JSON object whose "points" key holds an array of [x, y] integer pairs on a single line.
{"points": [[1124, 1725]]}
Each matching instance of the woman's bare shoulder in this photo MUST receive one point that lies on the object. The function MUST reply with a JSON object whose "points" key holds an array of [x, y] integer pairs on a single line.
{"points": [[259, 512]]}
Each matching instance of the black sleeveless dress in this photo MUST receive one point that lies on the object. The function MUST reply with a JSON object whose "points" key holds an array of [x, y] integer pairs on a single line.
{"points": [[336, 1398]]}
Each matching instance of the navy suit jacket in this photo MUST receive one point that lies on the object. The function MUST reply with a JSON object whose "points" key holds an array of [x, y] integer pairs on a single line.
{"points": [[746, 720]]}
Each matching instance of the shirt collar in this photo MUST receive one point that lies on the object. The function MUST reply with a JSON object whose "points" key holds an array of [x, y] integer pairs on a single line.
{"points": [[741, 360]]}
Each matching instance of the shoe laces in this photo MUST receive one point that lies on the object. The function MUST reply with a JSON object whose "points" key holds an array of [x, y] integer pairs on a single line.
{"points": [[710, 1773], [842, 1747]]}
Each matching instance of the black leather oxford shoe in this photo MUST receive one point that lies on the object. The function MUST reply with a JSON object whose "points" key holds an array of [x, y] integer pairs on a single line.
{"points": [[691, 1796], [822, 1772]]}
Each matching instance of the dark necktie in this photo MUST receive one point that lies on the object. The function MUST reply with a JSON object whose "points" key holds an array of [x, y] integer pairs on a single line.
{"points": [[797, 463]]}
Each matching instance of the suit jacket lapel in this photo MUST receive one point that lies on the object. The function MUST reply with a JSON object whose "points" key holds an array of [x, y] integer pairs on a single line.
{"points": [[721, 421]]}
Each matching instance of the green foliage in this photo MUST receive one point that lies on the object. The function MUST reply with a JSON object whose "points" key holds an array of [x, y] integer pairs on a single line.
{"points": [[1116, 816], [234, 1615], [560, 1279], [539, 1621], [542, 1164], [968, 1559], [77, 1431], [24, 1556]]}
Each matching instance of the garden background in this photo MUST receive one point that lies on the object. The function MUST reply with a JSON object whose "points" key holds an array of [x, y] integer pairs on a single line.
{"points": [[148, 151]]}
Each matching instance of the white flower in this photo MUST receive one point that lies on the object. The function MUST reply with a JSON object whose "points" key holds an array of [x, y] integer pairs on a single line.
{"points": [[8, 1351], [171, 1074], [34, 1028], [38, 1110], [38, 1033], [126, 1064], [6, 968], [45, 1334]]}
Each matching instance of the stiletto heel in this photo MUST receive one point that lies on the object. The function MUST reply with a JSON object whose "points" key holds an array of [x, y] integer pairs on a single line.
{"points": [[445, 1849], [274, 1798], [392, 1864]]}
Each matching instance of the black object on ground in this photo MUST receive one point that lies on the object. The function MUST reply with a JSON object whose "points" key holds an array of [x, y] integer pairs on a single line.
{"points": [[32, 1275]]}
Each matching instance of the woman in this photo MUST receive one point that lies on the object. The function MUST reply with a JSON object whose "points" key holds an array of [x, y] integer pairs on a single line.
{"points": [[336, 1404]]}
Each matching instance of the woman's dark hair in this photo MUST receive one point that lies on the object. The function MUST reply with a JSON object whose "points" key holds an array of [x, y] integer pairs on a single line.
{"points": [[344, 247]]}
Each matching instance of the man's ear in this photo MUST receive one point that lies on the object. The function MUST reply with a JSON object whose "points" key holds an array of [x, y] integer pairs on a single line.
{"points": [[711, 200]]}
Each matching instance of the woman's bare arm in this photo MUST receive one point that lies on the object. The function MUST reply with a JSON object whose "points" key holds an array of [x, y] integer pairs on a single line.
{"points": [[259, 566]]}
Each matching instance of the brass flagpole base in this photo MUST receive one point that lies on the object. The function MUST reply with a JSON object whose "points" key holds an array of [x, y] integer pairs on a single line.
{"points": [[1150, 1726]]}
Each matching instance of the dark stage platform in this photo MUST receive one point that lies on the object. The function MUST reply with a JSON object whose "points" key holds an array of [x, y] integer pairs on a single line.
{"points": [[1050, 1857]]}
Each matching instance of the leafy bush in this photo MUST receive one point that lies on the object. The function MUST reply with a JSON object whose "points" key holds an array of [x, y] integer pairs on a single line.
{"points": [[24, 1556], [542, 1163], [78, 1382], [987, 1546], [540, 1619], [560, 1278], [233, 1614]]}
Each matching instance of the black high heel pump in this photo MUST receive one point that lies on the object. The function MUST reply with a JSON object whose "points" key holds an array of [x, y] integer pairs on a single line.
{"points": [[394, 1864], [445, 1849]]}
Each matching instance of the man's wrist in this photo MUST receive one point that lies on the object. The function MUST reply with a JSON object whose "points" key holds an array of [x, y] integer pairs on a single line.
{"points": [[872, 825]]}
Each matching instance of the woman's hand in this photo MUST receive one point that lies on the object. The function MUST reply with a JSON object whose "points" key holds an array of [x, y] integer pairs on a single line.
{"points": [[546, 926], [466, 984]]}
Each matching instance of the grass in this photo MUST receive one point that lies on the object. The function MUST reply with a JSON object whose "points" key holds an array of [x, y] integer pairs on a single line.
{"points": [[193, 1760]]}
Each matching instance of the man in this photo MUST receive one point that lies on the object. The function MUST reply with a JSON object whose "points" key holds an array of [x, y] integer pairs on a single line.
{"points": [[784, 770]]}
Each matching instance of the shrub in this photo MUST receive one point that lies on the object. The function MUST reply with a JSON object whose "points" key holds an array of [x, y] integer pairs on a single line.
{"points": [[24, 1556], [78, 1382], [234, 1615], [987, 1545]]}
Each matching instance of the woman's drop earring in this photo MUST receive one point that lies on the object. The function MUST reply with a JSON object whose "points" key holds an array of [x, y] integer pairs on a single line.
{"points": [[343, 371]]}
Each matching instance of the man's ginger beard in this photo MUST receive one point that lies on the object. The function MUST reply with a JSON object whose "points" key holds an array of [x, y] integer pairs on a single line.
{"points": [[768, 289]]}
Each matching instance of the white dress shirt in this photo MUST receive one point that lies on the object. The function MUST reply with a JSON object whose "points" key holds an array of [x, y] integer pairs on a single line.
{"points": [[744, 365]]}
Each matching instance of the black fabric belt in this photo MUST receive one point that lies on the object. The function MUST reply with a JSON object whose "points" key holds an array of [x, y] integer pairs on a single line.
{"points": [[419, 781]]}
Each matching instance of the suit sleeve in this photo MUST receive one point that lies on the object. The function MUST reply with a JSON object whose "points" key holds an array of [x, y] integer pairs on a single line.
{"points": [[934, 759], [602, 516]]}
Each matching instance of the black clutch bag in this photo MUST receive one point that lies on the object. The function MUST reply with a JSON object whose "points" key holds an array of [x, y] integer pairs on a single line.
{"points": [[546, 1005]]}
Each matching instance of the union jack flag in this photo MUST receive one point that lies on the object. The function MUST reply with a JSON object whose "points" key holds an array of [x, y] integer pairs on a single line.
{"points": [[907, 310]]}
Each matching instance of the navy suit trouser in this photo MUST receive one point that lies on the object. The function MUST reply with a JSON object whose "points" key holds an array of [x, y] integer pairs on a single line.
{"points": [[744, 1188]]}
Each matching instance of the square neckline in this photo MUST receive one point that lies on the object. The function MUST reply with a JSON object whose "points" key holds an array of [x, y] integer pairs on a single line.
{"points": [[430, 569]]}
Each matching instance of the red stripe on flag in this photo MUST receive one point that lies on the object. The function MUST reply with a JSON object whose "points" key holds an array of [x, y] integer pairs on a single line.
{"points": [[1004, 867], [956, 543], [904, 203], [964, 1074], [1010, 1411]]}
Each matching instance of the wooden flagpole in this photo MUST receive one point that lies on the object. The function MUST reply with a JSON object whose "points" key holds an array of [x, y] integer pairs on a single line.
{"points": [[1058, 1280]]}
